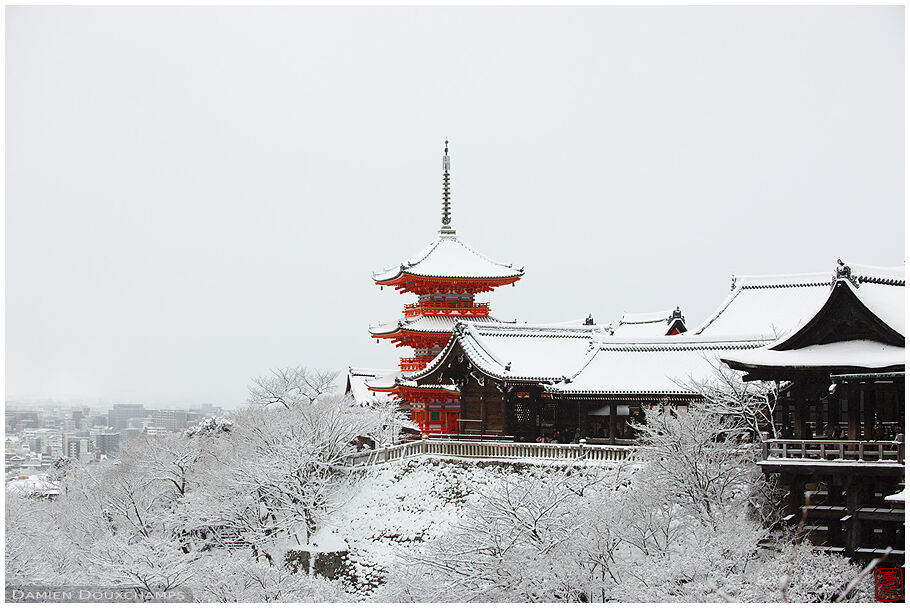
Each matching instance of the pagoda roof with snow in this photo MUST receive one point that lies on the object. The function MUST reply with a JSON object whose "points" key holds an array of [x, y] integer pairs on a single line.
{"points": [[423, 324], [773, 306], [447, 257]]}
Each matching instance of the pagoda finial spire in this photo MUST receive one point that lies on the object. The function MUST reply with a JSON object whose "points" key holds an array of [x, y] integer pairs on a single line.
{"points": [[446, 195]]}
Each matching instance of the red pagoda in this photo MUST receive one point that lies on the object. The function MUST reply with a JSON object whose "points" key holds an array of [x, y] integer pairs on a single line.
{"points": [[445, 276]]}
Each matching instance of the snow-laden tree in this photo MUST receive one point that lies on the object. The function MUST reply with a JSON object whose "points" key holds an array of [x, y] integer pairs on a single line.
{"points": [[531, 537], [699, 459], [155, 517], [679, 525], [291, 387], [747, 406], [222, 577], [279, 471]]}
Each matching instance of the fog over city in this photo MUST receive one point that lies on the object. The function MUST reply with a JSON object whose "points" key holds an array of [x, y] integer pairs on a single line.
{"points": [[197, 195]]}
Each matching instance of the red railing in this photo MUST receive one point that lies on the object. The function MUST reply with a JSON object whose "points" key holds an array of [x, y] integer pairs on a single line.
{"points": [[413, 364], [446, 308]]}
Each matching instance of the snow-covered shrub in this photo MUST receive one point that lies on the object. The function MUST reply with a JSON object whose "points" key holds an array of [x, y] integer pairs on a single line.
{"points": [[211, 426]]}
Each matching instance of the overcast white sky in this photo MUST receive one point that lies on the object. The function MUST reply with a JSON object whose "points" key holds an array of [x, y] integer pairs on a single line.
{"points": [[196, 195]]}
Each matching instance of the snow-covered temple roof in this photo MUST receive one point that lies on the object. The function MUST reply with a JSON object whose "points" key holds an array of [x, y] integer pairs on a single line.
{"points": [[440, 387], [861, 354], [859, 327], [520, 352], [650, 324], [359, 379], [656, 366], [421, 324], [772, 306], [447, 257]]}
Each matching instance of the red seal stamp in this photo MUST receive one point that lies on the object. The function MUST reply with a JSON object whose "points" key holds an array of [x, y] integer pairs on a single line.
{"points": [[889, 585]]}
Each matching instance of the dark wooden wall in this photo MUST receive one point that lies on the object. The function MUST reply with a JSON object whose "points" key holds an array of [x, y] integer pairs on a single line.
{"points": [[483, 402]]}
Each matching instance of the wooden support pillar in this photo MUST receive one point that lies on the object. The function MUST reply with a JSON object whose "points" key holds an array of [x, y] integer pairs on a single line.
{"points": [[578, 419], [833, 403], [852, 396], [820, 412], [855, 496], [835, 528], [785, 413], [796, 495], [612, 422], [508, 412], [801, 418], [585, 419], [868, 400], [483, 412]]}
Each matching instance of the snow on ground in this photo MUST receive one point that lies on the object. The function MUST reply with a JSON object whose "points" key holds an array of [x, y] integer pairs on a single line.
{"points": [[393, 507]]}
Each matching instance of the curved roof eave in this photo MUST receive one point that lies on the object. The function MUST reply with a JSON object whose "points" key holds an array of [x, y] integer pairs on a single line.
{"points": [[450, 253]]}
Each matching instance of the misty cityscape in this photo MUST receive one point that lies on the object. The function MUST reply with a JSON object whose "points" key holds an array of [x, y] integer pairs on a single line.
{"points": [[39, 434]]}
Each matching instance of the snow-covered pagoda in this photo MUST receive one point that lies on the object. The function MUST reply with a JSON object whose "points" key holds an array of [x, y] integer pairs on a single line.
{"points": [[445, 276]]}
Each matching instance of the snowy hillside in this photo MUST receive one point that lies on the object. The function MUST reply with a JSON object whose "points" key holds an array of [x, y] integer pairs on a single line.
{"points": [[394, 508]]}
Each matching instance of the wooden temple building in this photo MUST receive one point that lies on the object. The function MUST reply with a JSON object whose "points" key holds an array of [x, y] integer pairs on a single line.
{"points": [[445, 276], [833, 343], [570, 381], [560, 381], [839, 443]]}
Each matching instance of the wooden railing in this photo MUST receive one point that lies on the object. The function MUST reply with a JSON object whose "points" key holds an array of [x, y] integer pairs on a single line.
{"points": [[833, 449], [489, 449], [446, 308]]}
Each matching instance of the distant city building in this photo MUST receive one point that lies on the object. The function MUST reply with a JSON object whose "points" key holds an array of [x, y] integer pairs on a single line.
{"points": [[108, 443], [120, 414], [37, 444], [79, 448], [171, 420], [130, 433], [21, 419]]}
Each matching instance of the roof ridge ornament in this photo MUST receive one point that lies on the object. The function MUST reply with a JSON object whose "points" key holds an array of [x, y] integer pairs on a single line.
{"points": [[842, 271], [446, 195]]}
